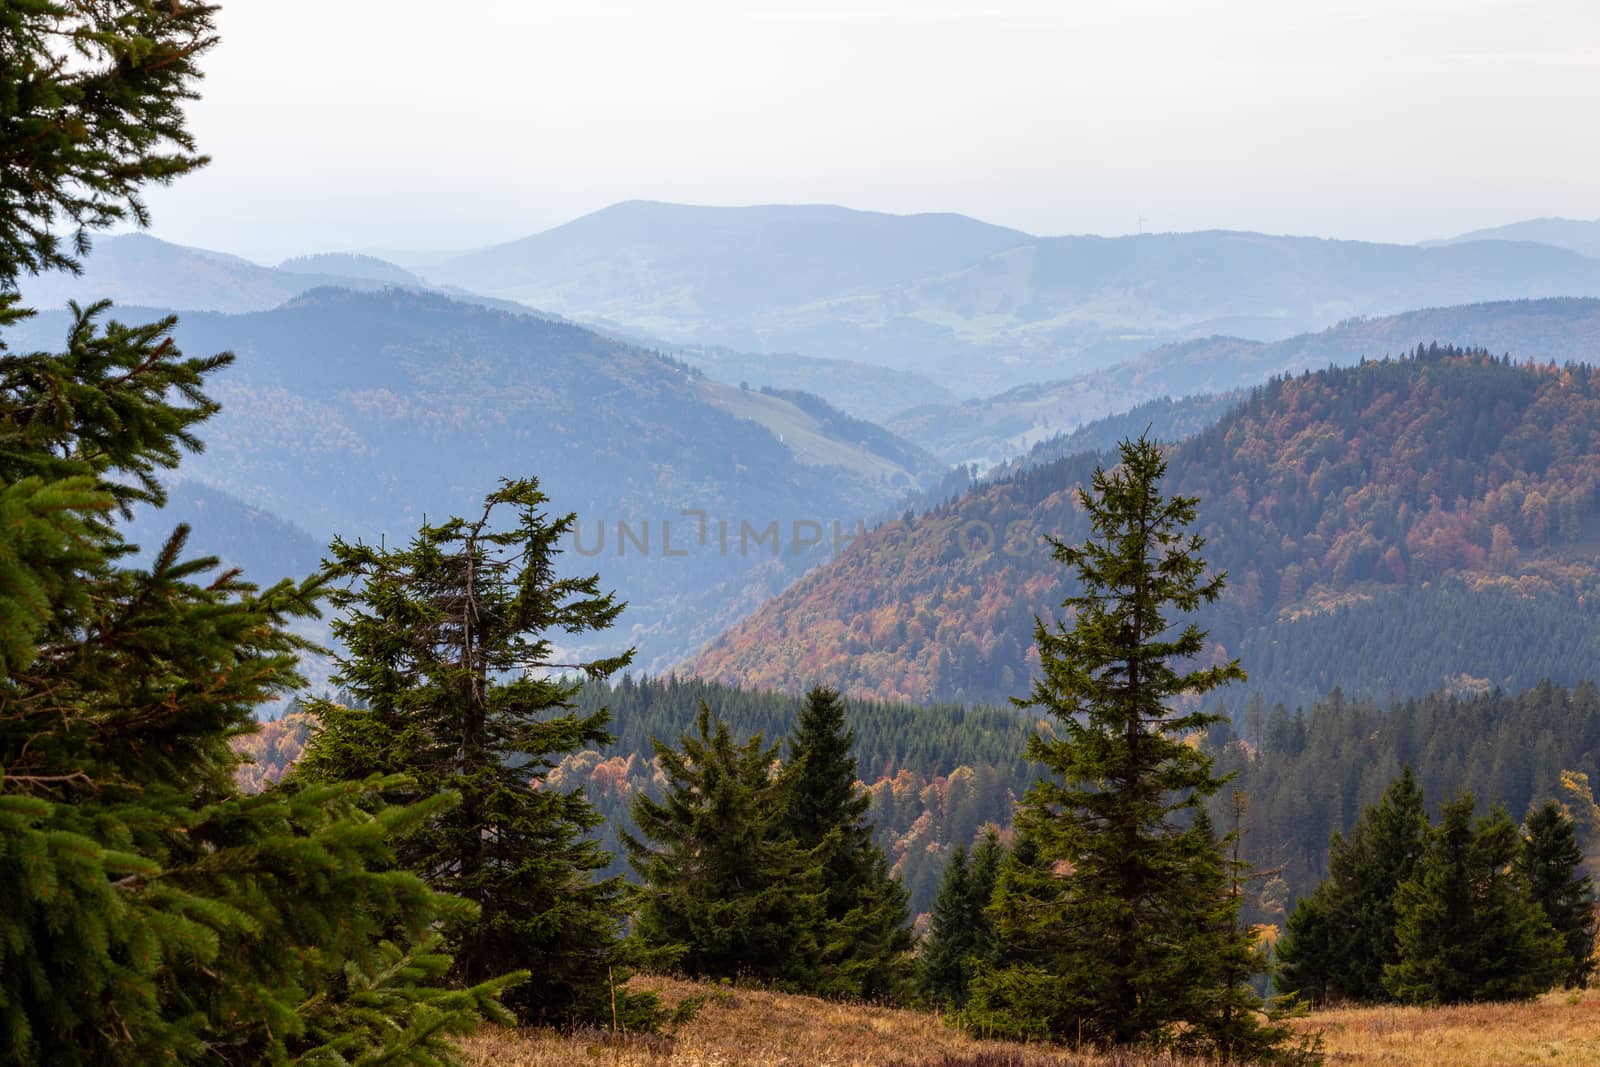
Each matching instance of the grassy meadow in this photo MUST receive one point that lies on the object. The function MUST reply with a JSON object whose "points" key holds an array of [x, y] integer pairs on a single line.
{"points": [[752, 1028]]}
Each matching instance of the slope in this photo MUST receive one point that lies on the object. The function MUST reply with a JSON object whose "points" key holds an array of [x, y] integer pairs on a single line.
{"points": [[861, 389], [673, 268], [1392, 527], [359, 413]]}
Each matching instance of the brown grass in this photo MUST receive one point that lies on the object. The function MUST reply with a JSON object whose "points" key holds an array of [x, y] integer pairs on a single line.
{"points": [[741, 1027], [751, 1028], [1558, 1030]]}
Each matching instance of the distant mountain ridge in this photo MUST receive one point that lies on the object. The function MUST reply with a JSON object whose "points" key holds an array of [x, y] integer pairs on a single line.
{"points": [[978, 308], [142, 271], [352, 265], [1007, 425], [1396, 527], [1578, 235]]}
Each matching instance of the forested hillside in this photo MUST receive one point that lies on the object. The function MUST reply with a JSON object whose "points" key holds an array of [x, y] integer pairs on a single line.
{"points": [[1398, 526], [935, 774], [864, 390], [359, 413], [227, 527]]}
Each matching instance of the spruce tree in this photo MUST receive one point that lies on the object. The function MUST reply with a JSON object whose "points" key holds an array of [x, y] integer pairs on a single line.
{"points": [[942, 966], [1122, 929], [1552, 865], [92, 112], [1341, 937], [865, 940], [152, 913], [726, 892], [988, 857], [961, 938], [1227, 1020], [1466, 926], [448, 657]]}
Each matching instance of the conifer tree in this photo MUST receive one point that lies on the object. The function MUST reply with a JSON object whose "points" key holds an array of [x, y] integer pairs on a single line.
{"points": [[1341, 937], [1552, 864], [727, 894], [1025, 880], [1227, 1020], [1121, 928], [449, 657], [988, 857], [152, 913], [1466, 925], [961, 938], [942, 966], [93, 111], [865, 939]]}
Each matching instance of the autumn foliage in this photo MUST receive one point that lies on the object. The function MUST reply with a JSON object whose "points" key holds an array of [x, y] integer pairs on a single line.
{"points": [[1384, 527]]}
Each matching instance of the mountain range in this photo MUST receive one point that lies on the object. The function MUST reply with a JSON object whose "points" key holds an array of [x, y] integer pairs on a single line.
{"points": [[367, 396], [141, 271], [977, 308]]}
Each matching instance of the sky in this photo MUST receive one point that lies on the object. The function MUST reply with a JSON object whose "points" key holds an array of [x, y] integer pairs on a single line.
{"points": [[419, 126]]}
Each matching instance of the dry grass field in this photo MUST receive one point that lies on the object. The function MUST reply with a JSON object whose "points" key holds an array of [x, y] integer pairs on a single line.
{"points": [[752, 1028], [1558, 1030]]}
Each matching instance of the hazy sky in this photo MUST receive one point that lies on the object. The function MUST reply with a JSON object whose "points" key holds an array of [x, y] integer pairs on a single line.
{"points": [[339, 124]]}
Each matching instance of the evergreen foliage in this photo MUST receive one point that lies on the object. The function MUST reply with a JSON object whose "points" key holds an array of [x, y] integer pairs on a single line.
{"points": [[727, 892], [942, 963], [449, 659], [1225, 960], [1551, 863], [92, 110], [933, 774], [1136, 936], [152, 912], [865, 938], [1312, 773], [1458, 911], [961, 938], [1466, 925], [1341, 937]]}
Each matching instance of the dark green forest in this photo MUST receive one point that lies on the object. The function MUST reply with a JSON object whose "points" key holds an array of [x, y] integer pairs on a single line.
{"points": [[937, 775]]}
